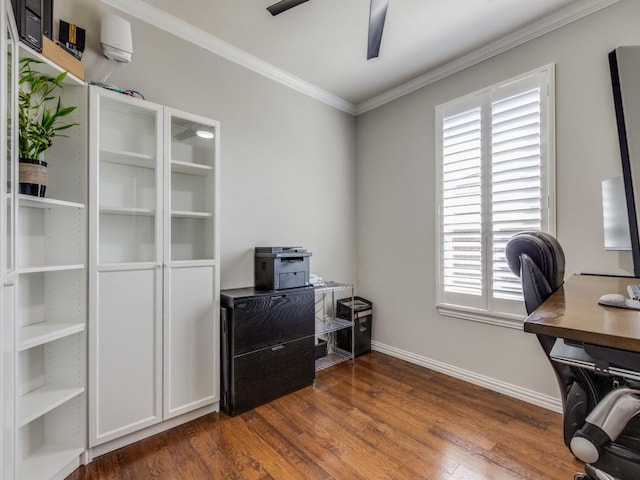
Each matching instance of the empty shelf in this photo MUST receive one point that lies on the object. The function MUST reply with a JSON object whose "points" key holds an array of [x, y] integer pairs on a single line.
{"points": [[41, 333], [42, 400], [190, 168], [333, 358], [132, 159], [47, 459], [127, 211], [190, 214], [50, 268]]}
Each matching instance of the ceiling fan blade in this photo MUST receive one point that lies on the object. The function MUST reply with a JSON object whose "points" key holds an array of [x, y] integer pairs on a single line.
{"points": [[188, 133], [283, 6], [377, 16]]}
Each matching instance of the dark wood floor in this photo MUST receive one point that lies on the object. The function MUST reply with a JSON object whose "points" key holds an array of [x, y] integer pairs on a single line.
{"points": [[380, 419]]}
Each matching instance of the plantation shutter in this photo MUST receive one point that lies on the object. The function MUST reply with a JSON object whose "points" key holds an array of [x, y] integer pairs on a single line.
{"points": [[461, 202], [495, 178], [516, 196]]}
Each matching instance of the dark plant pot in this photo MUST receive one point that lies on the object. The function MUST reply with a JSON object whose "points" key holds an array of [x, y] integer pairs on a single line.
{"points": [[33, 177]]}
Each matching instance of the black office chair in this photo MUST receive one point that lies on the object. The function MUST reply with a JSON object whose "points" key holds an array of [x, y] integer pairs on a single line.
{"points": [[599, 422]]}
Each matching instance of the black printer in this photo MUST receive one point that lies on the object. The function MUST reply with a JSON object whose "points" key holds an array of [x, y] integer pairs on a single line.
{"points": [[277, 268]]}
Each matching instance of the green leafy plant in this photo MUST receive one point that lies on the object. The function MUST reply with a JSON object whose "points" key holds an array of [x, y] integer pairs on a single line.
{"points": [[39, 122]]}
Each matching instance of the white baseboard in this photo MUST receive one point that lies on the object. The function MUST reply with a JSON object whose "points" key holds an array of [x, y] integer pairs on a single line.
{"points": [[530, 396]]}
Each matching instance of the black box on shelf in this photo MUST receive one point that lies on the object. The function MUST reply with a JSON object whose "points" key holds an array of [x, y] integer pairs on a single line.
{"points": [[321, 348], [72, 38], [279, 268], [360, 311], [34, 18]]}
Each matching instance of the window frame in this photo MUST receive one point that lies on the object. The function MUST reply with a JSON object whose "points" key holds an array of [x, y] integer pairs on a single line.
{"points": [[484, 311]]}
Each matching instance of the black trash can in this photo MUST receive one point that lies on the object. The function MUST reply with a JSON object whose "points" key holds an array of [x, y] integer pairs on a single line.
{"points": [[360, 311]]}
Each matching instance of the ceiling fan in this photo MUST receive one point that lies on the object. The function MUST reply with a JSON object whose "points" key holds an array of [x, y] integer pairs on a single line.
{"points": [[377, 15]]}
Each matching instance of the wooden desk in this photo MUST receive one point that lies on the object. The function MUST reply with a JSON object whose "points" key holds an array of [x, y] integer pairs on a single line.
{"points": [[573, 313]]}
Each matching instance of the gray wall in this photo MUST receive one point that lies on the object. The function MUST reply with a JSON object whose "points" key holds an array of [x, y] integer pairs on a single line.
{"points": [[291, 167], [396, 200], [287, 161]]}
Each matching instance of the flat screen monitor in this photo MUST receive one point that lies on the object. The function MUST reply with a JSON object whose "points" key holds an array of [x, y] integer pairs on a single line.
{"points": [[614, 215], [624, 63]]}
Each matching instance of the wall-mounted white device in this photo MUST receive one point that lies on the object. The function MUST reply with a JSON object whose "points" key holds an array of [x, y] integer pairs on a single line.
{"points": [[115, 38]]}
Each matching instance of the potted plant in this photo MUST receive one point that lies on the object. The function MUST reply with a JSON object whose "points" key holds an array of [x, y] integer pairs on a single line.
{"points": [[40, 115]]}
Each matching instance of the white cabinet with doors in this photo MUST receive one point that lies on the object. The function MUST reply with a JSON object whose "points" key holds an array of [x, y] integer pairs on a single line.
{"points": [[154, 277]]}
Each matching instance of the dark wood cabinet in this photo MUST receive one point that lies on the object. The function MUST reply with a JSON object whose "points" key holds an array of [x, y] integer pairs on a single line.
{"points": [[267, 345]]}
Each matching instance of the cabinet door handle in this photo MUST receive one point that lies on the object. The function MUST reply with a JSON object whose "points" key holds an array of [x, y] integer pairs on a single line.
{"points": [[277, 297], [275, 348]]}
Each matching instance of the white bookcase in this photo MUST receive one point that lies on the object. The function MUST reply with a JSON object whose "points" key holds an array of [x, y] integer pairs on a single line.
{"points": [[48, 240], [8, 97], [154, 280]]}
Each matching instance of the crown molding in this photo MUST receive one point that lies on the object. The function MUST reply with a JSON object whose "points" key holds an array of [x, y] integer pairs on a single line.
{"points": [[171, 24], [571, 13]]}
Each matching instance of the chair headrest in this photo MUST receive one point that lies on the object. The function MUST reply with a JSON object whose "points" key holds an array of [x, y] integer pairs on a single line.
{"points": [[545, 252]]}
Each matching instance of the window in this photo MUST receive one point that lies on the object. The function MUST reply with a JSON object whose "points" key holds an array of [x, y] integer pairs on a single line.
{"points": [[494, 179]]}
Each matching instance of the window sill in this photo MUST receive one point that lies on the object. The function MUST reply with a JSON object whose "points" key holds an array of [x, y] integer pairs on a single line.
{"points": [[482, 316]]}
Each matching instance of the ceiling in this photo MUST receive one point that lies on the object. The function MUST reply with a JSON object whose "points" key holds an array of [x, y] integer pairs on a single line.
{"points": [[324, 42]]}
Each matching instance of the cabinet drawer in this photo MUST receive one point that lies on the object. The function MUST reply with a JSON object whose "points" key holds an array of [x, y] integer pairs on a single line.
{"points": [[261, 321], [263, 375]]}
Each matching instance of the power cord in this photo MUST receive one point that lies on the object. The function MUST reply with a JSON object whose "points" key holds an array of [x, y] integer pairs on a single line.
{"points": [[113, 88]]}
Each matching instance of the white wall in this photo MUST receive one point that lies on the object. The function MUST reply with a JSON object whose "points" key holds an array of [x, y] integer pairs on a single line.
{"points": [[288, 162], [396, 201]]}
